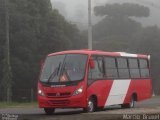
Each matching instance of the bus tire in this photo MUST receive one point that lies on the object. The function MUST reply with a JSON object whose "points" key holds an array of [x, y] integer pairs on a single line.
{"points": [[49, 111], [131, 104], [91, 106]]}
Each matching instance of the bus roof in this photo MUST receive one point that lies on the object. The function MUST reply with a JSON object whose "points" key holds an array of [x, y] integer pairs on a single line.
{"points": [[99, 52]]}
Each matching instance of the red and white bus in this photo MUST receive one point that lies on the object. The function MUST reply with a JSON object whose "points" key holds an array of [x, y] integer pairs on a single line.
{"points": [[92, 79]]}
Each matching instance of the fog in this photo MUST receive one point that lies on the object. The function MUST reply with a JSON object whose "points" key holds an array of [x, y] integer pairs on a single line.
{"points": [[76, 11]]}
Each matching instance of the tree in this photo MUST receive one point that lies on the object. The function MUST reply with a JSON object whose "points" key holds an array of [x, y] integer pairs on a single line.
{"points": [[122, 10], [35, 31], [6, 82], [117, 23]]}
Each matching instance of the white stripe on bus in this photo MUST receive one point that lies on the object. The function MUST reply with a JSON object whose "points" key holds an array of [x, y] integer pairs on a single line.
{"points": [[127, 54], [118, 92]]}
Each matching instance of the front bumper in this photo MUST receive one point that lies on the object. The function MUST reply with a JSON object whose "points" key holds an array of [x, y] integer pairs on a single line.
{"points": [[78, 101]]}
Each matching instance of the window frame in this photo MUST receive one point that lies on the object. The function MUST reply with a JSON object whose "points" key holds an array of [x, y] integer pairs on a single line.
{"points": [[116, 63], [116, 68], [101, 57], [123, 68], [148, 67], [131, 58]]}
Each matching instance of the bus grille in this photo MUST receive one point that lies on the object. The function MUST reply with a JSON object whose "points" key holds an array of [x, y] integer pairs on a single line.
{"points": [[58, 102], [66, 94]]}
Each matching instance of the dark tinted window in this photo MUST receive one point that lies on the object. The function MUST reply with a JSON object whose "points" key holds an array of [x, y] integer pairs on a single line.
{"points": [[123, 68], [133, 63], [122, 62], [123, 73], [144, 69], [133, 67], [144, 73], [134, 73], [110, 67], [143, 63], [111, 73], [110, 62]]}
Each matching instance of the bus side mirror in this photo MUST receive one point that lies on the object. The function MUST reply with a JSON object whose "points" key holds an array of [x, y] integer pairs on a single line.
{"points": [[91, 63]]}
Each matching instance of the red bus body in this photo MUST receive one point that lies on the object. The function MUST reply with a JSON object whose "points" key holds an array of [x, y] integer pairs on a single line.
{"points": [[106, 91]]}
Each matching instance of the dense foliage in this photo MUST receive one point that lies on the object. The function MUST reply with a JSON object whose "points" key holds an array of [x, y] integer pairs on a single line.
{"points": [[121, 10], [35, 30]]}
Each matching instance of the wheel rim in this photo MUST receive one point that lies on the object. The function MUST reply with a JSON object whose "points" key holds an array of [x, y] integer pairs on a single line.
{"points": [[132, 103], [90, 106]]}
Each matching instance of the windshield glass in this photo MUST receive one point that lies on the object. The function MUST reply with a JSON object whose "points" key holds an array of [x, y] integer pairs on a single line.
{"points": [[51, 68], [64, 68]]}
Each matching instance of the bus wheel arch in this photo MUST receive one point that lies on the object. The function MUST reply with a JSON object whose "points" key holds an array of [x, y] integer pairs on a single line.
{"points": [[131, 104], [133, 100], [91, 104], [134, 95]]}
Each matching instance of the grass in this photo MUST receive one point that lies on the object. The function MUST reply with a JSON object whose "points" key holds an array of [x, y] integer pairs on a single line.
{"points": [[17, 105]]}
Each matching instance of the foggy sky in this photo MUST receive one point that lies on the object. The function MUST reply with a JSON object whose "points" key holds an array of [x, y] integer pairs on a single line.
{"points": [[73, 9], [77, 10]]}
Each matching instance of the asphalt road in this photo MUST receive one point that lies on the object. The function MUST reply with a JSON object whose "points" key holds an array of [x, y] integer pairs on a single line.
{"points": [[150, 106]]}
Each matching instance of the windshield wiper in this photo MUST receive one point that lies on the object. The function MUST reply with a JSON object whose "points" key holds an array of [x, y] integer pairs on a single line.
{"points": [[64, 73], [54, 73]]}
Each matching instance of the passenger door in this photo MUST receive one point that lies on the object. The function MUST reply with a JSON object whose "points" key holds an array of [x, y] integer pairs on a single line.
{"points": [[97, 73], [96, 81]]}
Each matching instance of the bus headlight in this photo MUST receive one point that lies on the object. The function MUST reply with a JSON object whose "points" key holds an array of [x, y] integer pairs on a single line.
{"points": [[40, 92], [78, 91]]}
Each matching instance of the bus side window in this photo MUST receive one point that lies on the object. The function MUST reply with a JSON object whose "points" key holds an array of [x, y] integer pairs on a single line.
{"points": [[110, 68], [144, 68], [133, 67], [97, 72], [123, 70]]}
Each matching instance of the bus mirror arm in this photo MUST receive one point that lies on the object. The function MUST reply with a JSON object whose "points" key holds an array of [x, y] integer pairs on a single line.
{"points": [[91, 63]]}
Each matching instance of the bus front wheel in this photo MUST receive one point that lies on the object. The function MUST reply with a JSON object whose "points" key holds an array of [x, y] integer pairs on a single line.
{"points": [[91, 107], [49, 111]]}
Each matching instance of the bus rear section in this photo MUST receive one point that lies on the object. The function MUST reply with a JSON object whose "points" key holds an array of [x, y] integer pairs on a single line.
{"points": [[93, 79], [121, 79]]}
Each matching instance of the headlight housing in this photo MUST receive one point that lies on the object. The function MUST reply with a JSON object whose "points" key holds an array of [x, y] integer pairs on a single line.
{"points": [[78, 91], [40, 92]]}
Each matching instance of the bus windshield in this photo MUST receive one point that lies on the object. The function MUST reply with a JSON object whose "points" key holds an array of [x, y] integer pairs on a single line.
{"points": [[64, 68]]}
